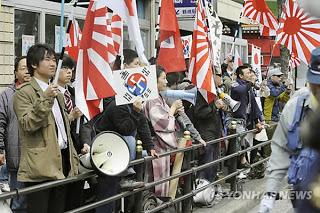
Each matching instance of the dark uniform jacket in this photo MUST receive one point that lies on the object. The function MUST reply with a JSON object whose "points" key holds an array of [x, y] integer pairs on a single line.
{"points": [[242, 91]]}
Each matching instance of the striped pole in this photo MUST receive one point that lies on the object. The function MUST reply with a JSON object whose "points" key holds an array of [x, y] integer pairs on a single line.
{"points": [[157, 30]]}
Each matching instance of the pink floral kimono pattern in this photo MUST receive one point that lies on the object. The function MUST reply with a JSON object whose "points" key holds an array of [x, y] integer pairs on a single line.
{"points": [[164, 125]]}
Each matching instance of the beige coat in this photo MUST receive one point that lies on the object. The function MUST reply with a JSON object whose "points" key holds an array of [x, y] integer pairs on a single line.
{"points": [[40, 153]]}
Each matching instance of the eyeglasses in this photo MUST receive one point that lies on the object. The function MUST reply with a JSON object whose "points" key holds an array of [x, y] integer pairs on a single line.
{"points": [[279, 76], [218, 74], [67, 68]]}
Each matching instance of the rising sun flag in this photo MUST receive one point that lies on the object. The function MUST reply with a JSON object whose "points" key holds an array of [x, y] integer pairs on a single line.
{"points": [[258, 11], [298, 31]]}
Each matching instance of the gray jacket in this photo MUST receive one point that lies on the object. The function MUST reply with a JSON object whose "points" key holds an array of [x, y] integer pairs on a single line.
{"points": [[280, 157], [9, 136]]}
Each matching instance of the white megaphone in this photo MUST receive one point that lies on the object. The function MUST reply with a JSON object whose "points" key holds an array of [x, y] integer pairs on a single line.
{"points": [[234, 105], [188, 95], [109, 155]]}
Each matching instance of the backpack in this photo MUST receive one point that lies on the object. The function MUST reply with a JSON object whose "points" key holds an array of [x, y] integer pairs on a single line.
{"points": [[303, 159]]}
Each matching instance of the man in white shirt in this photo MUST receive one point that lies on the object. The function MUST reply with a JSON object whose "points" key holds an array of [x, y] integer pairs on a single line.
{"points": [[47, 151]]}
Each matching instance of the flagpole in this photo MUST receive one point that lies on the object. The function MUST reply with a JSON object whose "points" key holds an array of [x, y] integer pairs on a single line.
{"points": [[61, 25], [121, 47], [157, 31], [236, 32], [56, 77], [271, 56]]}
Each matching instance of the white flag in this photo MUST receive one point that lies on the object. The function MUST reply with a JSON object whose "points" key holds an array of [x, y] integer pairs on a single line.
{"points": [[215, 27], [256, 62], [127, 10]]}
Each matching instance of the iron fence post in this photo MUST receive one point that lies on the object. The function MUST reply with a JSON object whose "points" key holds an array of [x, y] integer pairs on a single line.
{"points": [[233, 161], [139, 176], [187, 188]]}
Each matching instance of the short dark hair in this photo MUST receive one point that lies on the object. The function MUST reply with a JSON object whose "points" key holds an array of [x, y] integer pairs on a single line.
{"points": [[152, 60], [239, 70], [36, 53], [67, 61], [248, 65], [159, 71], [175, 78], [17, 61], [128, 57], [224, 67]]}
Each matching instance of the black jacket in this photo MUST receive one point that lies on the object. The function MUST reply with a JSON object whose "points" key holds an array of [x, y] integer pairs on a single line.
{"points": [[125, 121], [242, 91], [206, 119]]}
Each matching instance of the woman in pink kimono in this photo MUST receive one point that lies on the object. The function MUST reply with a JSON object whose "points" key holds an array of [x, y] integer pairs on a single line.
{"points": [[164, 124]]}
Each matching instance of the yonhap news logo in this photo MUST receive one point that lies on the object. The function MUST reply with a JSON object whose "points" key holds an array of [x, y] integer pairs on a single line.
{"points": [[283, 195]]}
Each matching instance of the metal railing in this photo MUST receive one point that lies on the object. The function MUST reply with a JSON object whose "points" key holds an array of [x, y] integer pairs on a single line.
{"points": [[186, 198]]}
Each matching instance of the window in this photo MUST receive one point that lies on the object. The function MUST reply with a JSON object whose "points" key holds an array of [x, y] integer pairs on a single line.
{"points": [[244, 54], [141, 9], [53, 24], [26, 23], [128, 44]]}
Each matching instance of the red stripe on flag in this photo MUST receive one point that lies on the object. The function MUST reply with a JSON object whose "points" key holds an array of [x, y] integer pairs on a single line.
{"points": [[100, 49], [98, 82], [129, 6], [94, 76], [93, 107]]}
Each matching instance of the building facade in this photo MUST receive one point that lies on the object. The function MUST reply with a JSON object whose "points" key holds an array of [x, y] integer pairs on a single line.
{"points": [[229, 14], [31, 21], [6, 43]]}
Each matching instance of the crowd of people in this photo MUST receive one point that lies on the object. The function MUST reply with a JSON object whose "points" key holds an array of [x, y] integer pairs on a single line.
{"points": [[47, 146]]}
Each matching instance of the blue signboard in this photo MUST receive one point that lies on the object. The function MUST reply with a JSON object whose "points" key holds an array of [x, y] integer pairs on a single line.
{"points": [[187, 8], [185, 3]]}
